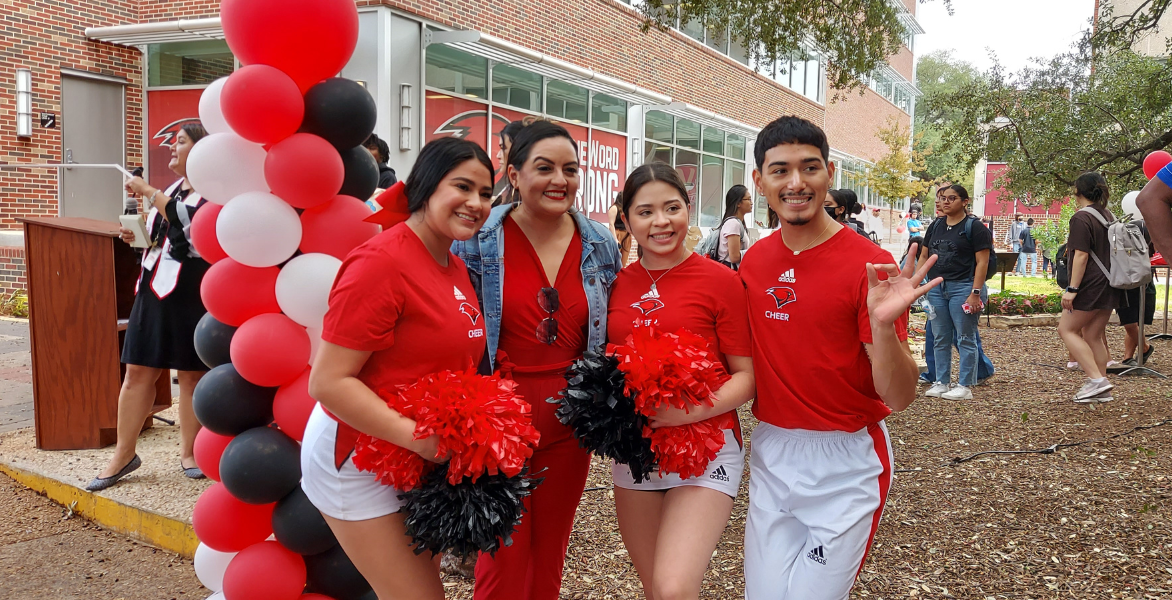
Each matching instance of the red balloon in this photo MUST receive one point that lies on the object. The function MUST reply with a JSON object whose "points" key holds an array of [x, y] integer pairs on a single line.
{"points": [[309, 40], [304, 170], [336, 227], [209, 446], [262, 104], [270, 350], [1156, 161], [226, 524], [265, 571], [292, 406], [235, 293], [203, 232]]}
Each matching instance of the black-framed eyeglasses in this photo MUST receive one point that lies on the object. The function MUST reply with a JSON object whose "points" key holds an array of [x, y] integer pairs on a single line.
{"points": [[547, 329]]}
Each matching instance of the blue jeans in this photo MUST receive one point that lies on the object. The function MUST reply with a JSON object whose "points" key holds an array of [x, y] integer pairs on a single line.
{"points": [[1024, 260], [951, 320], [985, 368]]}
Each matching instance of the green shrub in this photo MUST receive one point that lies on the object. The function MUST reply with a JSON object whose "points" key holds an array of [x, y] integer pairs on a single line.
{"points": [[1008, 303]]}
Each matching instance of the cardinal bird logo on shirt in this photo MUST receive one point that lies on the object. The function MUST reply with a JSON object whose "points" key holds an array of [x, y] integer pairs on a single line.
{"points": [[782, 295], [648, 305], [470, 311]]}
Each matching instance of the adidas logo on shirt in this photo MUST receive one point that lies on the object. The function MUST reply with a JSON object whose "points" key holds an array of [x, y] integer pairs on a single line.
{"points": [[788, 277], [817, 556], [459, 295], [719, 474]]}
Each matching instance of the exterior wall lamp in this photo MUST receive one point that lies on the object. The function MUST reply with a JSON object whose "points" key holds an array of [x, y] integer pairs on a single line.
{"points": [[24, 103], [405, 102]]}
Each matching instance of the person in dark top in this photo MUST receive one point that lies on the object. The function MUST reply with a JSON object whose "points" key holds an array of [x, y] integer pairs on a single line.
{"points": [[961, 246], [381, 153], [1029, 249], [1129, 314], [1089, 299], [842, 205], [160, 334], [504, 190]]}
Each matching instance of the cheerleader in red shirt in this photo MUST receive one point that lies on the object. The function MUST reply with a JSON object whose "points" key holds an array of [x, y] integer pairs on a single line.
{"points": [[402, 307], [669, 525]]}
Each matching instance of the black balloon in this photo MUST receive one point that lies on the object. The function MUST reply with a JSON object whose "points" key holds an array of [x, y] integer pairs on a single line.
{"points": [[361, 175], [341, 111], [331, 573], [300, 527], [261, 465], [227, 404], [212, 341]]}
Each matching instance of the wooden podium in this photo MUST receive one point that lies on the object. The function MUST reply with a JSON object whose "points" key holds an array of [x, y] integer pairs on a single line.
{"points": [[81, 289]]}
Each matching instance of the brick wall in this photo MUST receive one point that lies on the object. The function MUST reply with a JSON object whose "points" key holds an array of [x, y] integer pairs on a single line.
{"points": [[852, 123], [47, 36], [11, 270]]}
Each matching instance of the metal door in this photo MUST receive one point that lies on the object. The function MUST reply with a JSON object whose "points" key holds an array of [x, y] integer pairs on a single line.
{"points": [[93, 131]]}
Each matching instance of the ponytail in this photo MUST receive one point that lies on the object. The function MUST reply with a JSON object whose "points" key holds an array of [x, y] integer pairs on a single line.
{"points": [[1093, 187]]}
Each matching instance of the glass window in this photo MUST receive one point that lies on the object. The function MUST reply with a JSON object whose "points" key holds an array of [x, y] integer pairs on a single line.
{"points": [[657, 153], [517, 88], [688, 166], [798, 75], [610, 112], [734, 174], [688, 134], [766, 68], [658, 126], [782, 72], [713, 140], [567, 101], [717, 39], [812, 80], [712, 191], [736, 146], [760, 209], [457, 72], [737, 52], [693, 29], [188, 63]]}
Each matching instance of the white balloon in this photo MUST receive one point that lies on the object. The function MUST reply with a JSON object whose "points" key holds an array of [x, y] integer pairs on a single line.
{"points": [[210, 115], [303, 287], [1129, 206], [258, 229], [216, 596], [210, 566], [314, 342], [222, 166]]}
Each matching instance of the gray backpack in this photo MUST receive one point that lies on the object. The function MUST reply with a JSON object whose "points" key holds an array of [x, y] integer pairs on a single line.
{"points": [[1130, 265]]}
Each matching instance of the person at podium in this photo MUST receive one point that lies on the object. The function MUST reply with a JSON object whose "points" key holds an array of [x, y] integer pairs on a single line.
{"points": [[161, 331]]}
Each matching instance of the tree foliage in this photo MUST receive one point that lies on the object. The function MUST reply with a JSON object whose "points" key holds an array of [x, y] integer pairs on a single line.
{"points": [[938, 74], [891, 176], [1123, 28], [855, 36], [1095, 108]]}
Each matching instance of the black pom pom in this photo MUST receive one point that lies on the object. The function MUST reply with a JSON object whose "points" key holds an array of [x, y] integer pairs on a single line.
{"points": [[466, 518], [596, 406]]}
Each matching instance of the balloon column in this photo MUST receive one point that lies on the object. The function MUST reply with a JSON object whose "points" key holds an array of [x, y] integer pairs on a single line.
{"points": [[283, 168]]}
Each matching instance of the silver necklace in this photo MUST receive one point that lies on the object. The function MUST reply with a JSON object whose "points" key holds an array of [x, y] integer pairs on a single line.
{"points": [[655, 291]]}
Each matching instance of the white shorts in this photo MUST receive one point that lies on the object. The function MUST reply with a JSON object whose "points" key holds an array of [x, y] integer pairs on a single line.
{"points": [[723, 474], [346, 494], [815, 499]]}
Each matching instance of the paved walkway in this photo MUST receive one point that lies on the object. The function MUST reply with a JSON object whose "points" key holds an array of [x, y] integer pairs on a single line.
{"points": [[16, 375]]}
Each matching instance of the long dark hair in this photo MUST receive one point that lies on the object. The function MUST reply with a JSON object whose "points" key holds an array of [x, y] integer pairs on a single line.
{"points": [[195, 131], [528, 137], [645, 174], [960, 191], [437, 159], [848, 200], [732, 200], [1093, 187]]}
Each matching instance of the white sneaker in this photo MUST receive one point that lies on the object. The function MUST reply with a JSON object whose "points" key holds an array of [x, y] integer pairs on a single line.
{"points": [[937, 390], [1090, 389], [959, 392]]}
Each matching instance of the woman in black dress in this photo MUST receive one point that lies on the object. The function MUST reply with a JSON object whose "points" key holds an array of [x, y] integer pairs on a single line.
{"points": [[1089, 299], [161, 332]]}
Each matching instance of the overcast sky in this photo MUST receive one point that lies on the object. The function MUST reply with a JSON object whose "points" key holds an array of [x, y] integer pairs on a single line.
{"points": [[1017, 30]]}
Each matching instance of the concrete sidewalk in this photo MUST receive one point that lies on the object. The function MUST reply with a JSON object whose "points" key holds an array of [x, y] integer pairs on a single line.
{"points": [[16, 375]]}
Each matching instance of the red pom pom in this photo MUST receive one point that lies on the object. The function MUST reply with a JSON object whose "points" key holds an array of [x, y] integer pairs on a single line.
{"points": [[482, 424], [666, 370]]}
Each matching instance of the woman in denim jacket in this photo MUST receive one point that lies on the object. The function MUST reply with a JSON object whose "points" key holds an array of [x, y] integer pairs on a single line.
{"points": [[544, 304]]}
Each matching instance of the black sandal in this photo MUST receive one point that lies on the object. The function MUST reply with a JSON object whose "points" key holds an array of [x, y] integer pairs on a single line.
{"points": [[101, 483]]}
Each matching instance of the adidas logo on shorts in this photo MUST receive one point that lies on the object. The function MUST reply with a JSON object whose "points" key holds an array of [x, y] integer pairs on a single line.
{"points": [[817, 556], [719, 474]]}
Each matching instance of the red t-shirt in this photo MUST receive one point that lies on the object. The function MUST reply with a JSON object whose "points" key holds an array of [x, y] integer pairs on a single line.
{"points": [[699, 295], [392, 299], [521, 313], [808, 314]]}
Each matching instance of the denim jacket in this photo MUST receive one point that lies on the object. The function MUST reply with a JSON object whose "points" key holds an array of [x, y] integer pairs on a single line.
{"points": [[484, 258]]}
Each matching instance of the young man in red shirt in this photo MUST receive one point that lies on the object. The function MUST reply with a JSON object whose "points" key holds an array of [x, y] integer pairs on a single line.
{"points": [[828, 315]]}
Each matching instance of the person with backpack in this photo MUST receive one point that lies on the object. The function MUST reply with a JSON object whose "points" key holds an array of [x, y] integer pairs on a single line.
{"points": [[842, 205], [1029, 250], [1089, 297], [731, 243], [962, 247]]}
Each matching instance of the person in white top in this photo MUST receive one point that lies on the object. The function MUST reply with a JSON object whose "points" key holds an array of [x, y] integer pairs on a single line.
{"points": [[733, 233]]}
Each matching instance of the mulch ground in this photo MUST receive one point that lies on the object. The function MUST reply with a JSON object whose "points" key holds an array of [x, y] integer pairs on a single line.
{"points": [[1089, 521], [48, 554]]}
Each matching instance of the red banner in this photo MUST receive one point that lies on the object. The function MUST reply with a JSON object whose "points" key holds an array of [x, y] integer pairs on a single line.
{"points": [[167, 112]]}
